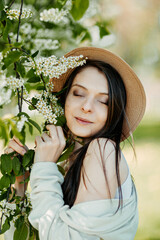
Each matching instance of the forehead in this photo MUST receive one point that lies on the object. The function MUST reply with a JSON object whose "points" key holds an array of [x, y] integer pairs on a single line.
{"points": [[92, 78]]}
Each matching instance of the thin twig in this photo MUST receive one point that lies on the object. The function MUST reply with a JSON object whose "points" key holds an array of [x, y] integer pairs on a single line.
{"points": [[29, 102], [19, 107], [21, 97], [43, 81], [19, 22], [11, 4]]}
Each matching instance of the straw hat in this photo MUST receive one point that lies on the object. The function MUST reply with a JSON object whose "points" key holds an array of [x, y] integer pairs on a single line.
{"points": [[136, 100]]}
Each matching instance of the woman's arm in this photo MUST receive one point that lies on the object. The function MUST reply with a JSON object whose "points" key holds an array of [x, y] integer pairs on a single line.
{"points": [[85, 221]]}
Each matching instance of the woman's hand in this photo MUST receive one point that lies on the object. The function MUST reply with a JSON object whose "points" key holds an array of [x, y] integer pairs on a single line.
{"points": [[49, 147]]}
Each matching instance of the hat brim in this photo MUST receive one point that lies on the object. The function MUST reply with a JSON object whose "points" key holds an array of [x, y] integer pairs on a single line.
{"points": [[136, 99]]}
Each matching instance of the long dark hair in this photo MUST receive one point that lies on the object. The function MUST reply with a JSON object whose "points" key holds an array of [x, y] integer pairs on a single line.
{"points": [[111, 131]]}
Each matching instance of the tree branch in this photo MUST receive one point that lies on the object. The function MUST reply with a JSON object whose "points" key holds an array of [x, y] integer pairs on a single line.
{"points": [[19, 22], [43, 81], [11, 4]]}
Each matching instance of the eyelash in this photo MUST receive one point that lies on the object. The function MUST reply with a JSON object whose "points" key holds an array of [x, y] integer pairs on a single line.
{"points": [[75, 94]]}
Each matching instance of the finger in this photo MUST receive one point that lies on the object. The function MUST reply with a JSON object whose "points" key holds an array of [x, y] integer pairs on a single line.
{"points": [[38, 140], [8, 150], [52, 131], [17, 141], [45, 137], [61, 134], [16, 147]]}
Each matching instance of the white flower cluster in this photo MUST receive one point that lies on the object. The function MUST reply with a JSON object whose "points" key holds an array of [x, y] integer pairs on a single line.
{"points": [[21, 123], [53, 15], [6, 209], [5, 94], [16, 83], [9, 209], [46, 111], [53, 67], [14, 13], [50, 86], [49, 112], [46, 44]]}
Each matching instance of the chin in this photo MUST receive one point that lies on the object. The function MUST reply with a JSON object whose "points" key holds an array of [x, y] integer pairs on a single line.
{"points": [[81, 133]]}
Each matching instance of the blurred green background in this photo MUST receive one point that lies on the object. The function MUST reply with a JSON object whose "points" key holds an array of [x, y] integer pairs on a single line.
{"points": [[135, 27]]}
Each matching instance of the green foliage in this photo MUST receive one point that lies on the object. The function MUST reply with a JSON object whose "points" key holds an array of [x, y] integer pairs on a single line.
{"points": [[5, 226], [21, 231], [2, 5], [11, 58], [6, 163], [79, 7], [16, 165], [66, 153], [28, 158], [103, 29], [35, 124]]}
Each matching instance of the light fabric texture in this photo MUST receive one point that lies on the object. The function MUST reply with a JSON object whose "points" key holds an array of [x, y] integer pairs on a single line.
{"points": [[91, 220]]}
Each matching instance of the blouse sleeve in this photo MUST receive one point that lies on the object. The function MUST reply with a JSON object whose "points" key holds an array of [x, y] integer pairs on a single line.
{"points": [[48, 205]]}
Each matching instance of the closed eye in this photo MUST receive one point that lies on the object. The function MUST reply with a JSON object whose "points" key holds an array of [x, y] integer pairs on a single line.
{"points": [[75, 94], [78, 95], [106, 103]]}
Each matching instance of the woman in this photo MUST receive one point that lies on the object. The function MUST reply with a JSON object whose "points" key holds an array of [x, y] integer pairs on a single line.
{"points": [[104, 103]]}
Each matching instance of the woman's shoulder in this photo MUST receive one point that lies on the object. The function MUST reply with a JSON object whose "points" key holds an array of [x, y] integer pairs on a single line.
{"points": [[103, 151], [102, 148]]}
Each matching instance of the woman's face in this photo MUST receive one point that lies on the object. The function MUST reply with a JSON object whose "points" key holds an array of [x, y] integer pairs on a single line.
{"points": [[87, 99]]}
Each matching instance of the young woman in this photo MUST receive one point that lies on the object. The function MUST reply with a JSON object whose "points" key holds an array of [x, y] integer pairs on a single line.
{"points": [[104, 102]]}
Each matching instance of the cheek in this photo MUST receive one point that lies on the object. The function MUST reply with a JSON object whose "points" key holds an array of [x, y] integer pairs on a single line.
{"points": [[102, 115]]}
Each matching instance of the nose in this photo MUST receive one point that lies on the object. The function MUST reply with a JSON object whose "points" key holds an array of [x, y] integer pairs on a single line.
{"points": [[87, 106]]}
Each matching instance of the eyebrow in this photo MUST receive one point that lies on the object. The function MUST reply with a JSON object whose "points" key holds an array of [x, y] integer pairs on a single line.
{"points": [[87, 89]]}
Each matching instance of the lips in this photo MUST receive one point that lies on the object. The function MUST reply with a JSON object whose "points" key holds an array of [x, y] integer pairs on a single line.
{"points": [[83, 120]]}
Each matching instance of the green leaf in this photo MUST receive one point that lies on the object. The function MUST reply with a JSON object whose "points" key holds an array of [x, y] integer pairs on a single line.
{"points": [[60, 168], [28, 158], [12, 57], [4, 133], [40, 88], [16, 165], [5, 226], [34, 79], [3, 196], [6, 163], [30, 127], [2, 5], [35, 54], [34, 101], [23, 113], [103, 31], [61, 120], [31, 73], [20, 69], [78, 9], [66, 153], [21, 233], [3, 17], [7, 28], [12, 179], [17, 44], [14, 129], [61, 3], [35, 125], [4, 182], [30, 107]]}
